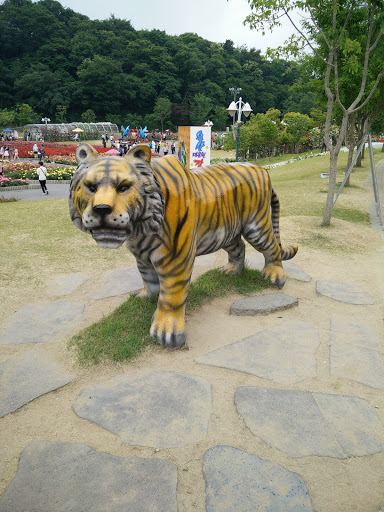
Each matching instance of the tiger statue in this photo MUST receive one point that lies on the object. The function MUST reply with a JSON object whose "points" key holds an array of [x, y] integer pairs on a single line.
{"points": [[168, 215]]}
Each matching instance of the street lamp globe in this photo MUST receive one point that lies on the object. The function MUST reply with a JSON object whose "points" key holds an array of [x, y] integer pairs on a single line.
{"points": [[232, 109], [247, 109]]}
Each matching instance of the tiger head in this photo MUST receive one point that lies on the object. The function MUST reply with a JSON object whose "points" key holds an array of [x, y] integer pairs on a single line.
{"points": [[113, 197]]}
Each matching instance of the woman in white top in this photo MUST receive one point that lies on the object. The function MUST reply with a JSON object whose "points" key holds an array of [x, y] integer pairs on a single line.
{"points": [[42, 174]]}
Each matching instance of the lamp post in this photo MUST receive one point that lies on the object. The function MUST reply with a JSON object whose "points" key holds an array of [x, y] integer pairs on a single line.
{"points": [[46, 120], [235, 91], [208, 123], [239, 107]]}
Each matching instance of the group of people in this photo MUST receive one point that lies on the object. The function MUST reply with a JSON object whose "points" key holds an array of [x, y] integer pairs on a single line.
{"points": [[105, 138], [155, 146], [9, 153]]}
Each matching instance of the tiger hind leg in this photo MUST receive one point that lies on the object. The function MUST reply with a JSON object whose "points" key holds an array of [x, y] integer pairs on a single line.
{"points": [[150, 281], [236, 256], [264, 241]]}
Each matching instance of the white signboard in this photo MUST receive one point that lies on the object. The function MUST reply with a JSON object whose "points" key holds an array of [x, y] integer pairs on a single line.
{"points": [[200, 146]]}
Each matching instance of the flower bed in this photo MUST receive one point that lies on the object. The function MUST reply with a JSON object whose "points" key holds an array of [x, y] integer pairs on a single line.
{"points": [[62, 159], [8, 199], [25, 170], [25, 148], [12, 182]]}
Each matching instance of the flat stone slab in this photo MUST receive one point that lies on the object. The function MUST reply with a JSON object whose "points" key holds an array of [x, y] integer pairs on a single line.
{"points": [[64, 477], [162, 409], [256, 261], [238, 481], [206, 260], [65, 284], [284, 354], [342, 292], [311, 424], [355, 352], [119, 282], [41, 322], [27, 376], [263, 304]]}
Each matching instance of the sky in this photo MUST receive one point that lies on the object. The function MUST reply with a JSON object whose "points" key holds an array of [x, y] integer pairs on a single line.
{"points": [[214, 20]]}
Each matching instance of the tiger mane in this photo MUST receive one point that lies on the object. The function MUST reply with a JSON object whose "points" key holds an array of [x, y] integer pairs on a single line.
{"points": [[149, 214]]}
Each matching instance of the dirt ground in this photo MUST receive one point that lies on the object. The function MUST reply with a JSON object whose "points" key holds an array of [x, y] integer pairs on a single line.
{"points": [[335, 485]]}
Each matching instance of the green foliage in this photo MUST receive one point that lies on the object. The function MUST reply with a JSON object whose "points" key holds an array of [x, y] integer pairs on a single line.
{"points": [[61, 113], [297, 125], [200, 109], [88, 116], [22, 114], [53, 57], [162, 110], [125, 332], [220, 118]]}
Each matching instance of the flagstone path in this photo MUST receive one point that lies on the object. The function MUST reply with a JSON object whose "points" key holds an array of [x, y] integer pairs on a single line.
{"points": [[166, 410]]}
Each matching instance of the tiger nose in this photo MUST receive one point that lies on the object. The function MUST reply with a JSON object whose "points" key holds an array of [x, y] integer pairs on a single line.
{"points": [[102, 209]]}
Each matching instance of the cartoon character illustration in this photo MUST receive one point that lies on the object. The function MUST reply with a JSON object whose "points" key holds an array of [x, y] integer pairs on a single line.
{"points": [[200, 140]]}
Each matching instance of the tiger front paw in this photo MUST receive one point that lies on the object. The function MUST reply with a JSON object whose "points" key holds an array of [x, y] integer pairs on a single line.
{"points": [[168, 329], [275, 274]]}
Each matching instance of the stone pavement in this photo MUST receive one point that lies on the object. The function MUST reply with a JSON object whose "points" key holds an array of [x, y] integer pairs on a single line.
{"points": [[157, 412]]}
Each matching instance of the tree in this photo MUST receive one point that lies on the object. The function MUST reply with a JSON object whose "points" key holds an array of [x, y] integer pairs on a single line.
{"points": [[61, 113], [88, 116], [7, 117], [200, 108], [220, 118], [329, 30], [95, 79], [162, 110], [24, 115], [297, 125]]}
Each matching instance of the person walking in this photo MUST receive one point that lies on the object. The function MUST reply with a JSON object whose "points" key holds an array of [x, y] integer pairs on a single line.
{"points": [[16, 154], [35, 150], [323, 146], [173, 148], [42, 152], [165, 149], [42, 175]]}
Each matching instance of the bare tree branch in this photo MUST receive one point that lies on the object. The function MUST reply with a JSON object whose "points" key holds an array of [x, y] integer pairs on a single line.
{"points": [[304, 36]]}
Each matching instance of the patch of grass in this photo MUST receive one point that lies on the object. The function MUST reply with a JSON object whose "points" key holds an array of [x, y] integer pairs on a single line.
{"points": [[125, 332], [351, 215]]}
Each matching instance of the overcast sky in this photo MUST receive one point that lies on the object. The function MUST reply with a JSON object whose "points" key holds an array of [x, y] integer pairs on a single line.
{"points": [[215, 20]]}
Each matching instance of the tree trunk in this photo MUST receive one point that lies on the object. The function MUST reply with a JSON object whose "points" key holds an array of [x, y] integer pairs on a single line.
{"points": [[331, 187], [351, 143]]}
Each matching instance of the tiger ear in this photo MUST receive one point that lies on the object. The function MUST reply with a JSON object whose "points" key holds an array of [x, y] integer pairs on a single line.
{"points": [[141, 151], [85, 152]]}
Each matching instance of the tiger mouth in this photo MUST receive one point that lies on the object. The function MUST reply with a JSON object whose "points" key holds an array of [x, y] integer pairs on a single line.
{"points": [[112, 238]]}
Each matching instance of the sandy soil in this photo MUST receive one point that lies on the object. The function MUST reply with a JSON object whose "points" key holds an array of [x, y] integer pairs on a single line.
{"points": [[355, 484]]}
